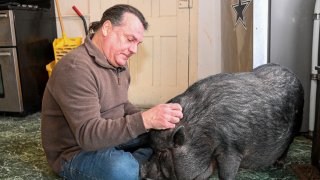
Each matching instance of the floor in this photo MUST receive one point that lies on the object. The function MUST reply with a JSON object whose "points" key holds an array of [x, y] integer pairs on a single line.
{"points": [[22, 156]]}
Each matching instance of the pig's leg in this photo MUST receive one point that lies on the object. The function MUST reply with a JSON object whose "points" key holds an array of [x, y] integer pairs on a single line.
{"points": [[228, 165], [281, 160]]}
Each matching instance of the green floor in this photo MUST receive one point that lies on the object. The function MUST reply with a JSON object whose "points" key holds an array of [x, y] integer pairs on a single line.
{"points": [[22, 156]]}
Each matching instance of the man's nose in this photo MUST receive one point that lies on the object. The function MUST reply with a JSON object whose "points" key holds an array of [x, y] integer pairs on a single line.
{"points": [[133, 48]]}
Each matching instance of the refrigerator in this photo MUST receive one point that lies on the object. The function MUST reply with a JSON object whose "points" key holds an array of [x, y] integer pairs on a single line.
{"points": [[255, 32]]}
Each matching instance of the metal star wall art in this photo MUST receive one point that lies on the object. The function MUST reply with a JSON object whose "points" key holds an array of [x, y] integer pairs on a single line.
{"points": [[239, 9]]}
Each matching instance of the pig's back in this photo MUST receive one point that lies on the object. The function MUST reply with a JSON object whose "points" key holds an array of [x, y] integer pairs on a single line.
{"points": [[253, 113]]}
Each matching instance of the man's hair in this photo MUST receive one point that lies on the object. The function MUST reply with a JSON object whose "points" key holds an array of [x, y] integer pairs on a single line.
{"points": [[115, 14]]}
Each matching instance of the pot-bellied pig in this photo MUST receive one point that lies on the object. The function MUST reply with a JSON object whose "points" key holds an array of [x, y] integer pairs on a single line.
{"points": [[230, 120]]}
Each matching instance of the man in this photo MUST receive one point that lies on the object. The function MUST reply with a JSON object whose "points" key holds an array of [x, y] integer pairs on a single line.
{"points": [[87, 120]]}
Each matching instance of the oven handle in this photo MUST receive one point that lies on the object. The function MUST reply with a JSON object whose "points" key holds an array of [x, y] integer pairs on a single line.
{"points": [[5, 54], [3, 15]]}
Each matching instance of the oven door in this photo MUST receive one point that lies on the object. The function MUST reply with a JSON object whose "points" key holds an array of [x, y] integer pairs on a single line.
{"points": [[10, 89], [7, 33]]}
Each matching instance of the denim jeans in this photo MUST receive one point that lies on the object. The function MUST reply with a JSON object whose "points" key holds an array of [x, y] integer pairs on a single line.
{"points": [[121, 162]]}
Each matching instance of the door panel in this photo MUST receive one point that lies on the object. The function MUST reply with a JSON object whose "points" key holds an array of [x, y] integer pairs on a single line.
{"points": [[159, 71], [237, 35]]}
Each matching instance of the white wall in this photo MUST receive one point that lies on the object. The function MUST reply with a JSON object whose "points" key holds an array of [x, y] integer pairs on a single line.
{"points": [[260, 32], [73, 25]]}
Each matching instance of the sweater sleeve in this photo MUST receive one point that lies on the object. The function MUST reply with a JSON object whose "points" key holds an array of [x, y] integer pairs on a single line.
{"points": [[75, 90], [129, 108]]}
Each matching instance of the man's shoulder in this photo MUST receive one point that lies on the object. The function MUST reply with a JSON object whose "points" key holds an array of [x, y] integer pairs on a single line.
{"points": [[76, 57]]}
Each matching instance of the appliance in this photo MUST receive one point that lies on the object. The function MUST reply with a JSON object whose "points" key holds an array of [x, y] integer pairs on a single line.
{"points": [[315, 155], [25, 3], [256, 32], [315, 89], [314, 63], [26, 37]]}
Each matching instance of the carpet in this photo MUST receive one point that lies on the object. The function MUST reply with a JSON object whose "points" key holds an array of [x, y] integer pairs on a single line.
{"points": [[22, 156]]}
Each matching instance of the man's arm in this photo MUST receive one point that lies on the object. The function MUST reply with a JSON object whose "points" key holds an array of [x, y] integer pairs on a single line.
{"points": [[129, 108]]}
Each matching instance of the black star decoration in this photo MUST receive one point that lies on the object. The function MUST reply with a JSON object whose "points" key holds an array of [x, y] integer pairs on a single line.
{"points": [[240, 9]]}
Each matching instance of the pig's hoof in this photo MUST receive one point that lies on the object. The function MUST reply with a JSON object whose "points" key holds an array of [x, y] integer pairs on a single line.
{"points": [[279, 163]]}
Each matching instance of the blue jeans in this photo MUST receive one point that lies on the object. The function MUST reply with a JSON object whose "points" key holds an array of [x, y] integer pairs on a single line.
{"points": [[121, 162]]}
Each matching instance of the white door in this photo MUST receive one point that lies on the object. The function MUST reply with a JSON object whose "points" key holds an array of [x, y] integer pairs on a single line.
{"points": [[159, 71]]}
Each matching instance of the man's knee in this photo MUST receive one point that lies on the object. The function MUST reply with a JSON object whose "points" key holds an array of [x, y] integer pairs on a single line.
{"points": [[125, 166]]}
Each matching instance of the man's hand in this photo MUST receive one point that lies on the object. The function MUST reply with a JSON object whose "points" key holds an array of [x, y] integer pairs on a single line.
{"points": [[162, 116]]}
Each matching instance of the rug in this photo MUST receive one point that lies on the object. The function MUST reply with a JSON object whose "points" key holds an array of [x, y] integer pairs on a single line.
{"points": [[22, 156]]}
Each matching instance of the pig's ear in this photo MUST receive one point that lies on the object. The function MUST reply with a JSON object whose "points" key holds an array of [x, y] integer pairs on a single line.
{"points": [[178, 136]]}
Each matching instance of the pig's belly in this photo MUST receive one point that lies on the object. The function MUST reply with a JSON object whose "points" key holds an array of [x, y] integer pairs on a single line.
{"points": [[262, 158]]}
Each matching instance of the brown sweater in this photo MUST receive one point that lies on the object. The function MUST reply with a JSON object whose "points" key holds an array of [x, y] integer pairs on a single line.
{"points": [[85, 106]]}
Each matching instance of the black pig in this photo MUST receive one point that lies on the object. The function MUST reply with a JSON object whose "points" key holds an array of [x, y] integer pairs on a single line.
{"points": [[230, 120]]}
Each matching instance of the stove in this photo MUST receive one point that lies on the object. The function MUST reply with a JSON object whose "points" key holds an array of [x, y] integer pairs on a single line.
{"points": [[26, 36]]}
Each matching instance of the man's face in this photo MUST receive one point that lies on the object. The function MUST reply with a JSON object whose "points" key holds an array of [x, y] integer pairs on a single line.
{"points": [[121, 42]]}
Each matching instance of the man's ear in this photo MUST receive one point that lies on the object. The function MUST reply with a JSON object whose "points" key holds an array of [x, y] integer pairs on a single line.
{"points": [[107, 25], [178, 136]]}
